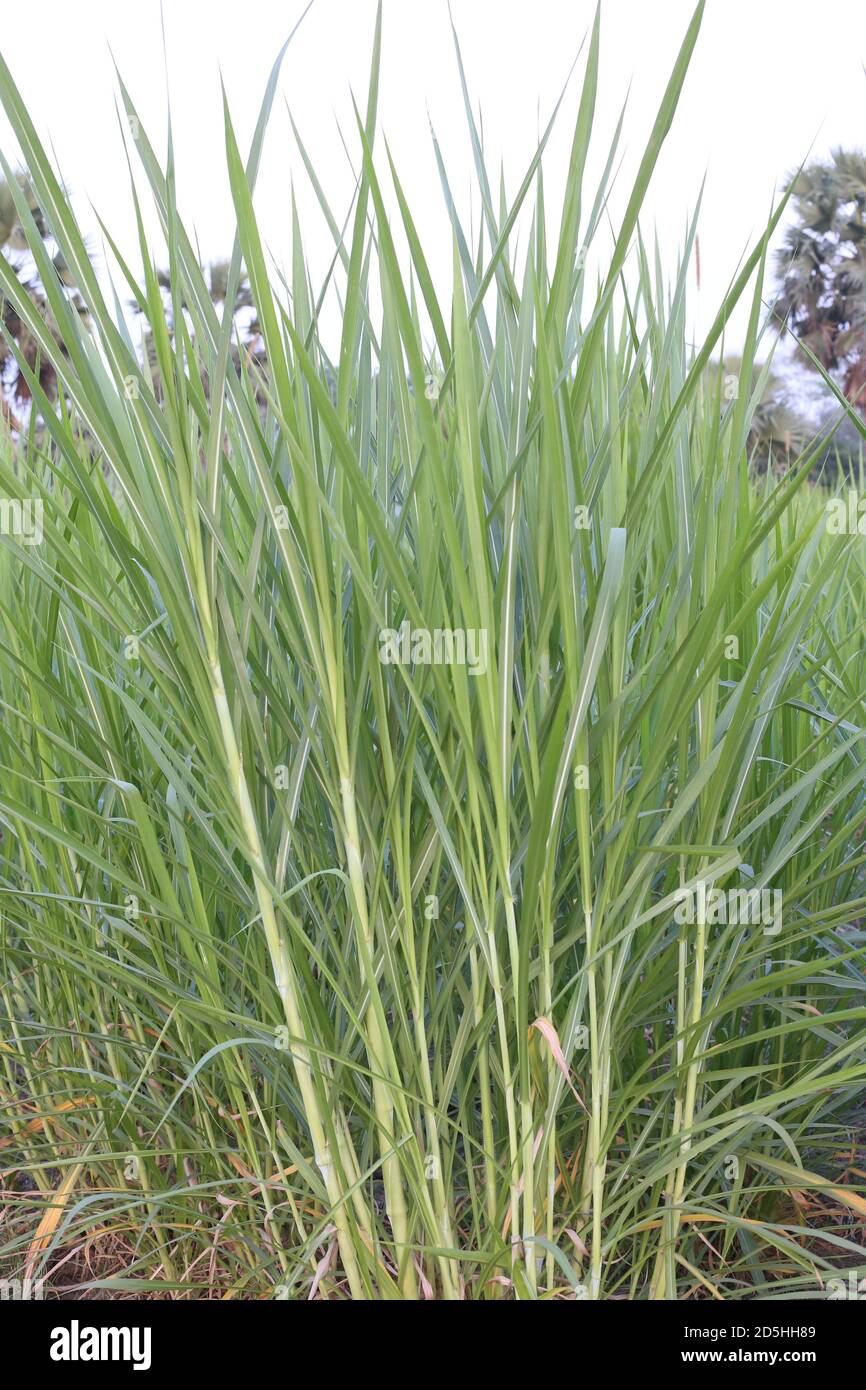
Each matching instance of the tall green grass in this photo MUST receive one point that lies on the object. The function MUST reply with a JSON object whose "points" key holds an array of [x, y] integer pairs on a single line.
{"points": [[325, 976]]}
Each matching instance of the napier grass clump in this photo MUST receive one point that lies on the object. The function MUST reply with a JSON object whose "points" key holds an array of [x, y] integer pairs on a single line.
{"points": [[332, 969]]}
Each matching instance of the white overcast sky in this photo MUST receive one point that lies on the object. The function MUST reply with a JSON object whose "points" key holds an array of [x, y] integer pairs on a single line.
{"points": [[769, 80]]}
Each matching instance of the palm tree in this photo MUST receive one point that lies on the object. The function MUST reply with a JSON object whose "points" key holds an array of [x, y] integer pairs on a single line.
{"points": [[778, 432], [821, 267], [14, 386], [247, 346]]}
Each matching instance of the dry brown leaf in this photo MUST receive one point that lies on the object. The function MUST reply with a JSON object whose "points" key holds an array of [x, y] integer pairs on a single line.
{"points": [[323, 1266], [551, 1037], [577, 1243], [50, 1221], [37, 1125]]}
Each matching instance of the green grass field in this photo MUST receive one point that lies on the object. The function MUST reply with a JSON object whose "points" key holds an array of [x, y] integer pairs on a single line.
{"points": [[328, 975]]}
